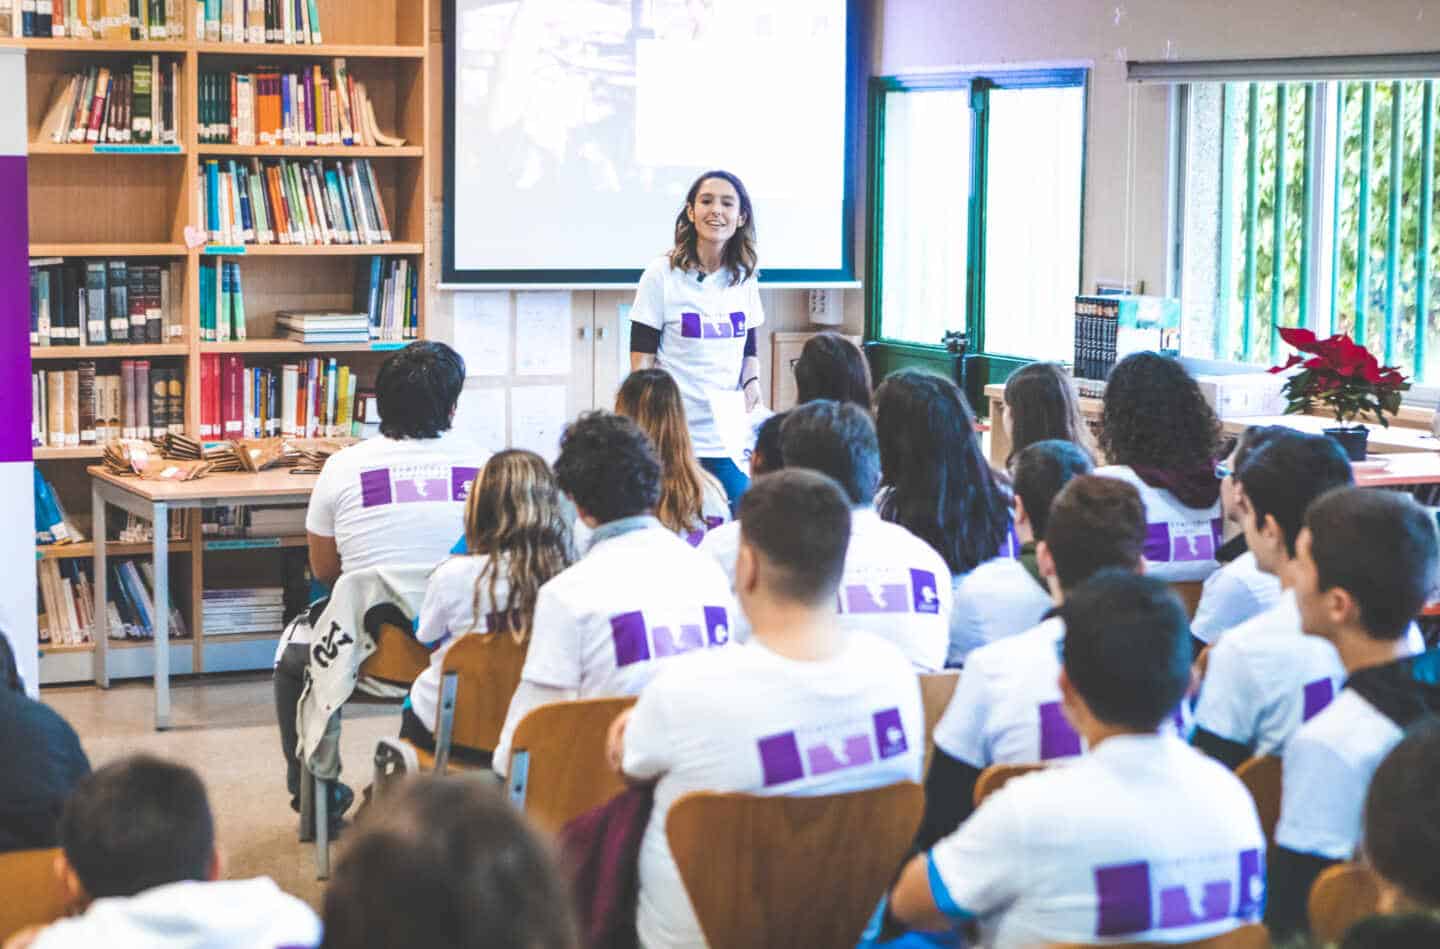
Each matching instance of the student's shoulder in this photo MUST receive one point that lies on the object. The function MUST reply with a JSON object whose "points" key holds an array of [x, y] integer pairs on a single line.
{"points": [[1015, 654], [658, 270], [460, 569], [886, 539], [704, 674], [1349, 728], [870, 651]]}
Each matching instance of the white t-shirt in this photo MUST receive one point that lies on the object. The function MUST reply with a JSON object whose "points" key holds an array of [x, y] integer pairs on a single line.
{"points": [[714, 513], [449, 613], [1232, 595], [746, 719], [1180, 542], [998, 598], [1143, 839], [702, 324]]}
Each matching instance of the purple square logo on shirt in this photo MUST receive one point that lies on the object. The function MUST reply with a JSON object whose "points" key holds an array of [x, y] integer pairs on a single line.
{"points": [[1182, 905], [694, 538], [780, 759], [1157, 543], [1189, 548], [1251, 904], [702, 326], [737, 324], [1124, 895], [627, 631], [375, 487], [848, 751], [890, 733], [876, 598], [414, 490], [460, 481], [922, 587], [1057, 738], [672, 641], [717, 626], [1318, 694]]}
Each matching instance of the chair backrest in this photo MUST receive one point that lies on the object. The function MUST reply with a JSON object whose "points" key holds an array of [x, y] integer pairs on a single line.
{"points": [[1340, 897], [1189, 592], [488, 669], [33, 894], [557, 767], [749, 863], [1249, 936], [1261, 777], [397, 658], [936, 689], [997, 776]]}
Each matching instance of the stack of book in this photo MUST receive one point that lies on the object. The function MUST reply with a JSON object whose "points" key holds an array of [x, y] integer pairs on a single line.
{"points": [[243, 610], [52, 524], [324, 326], [286, 22], [292, 202], [388, 289], [304, 106], [80, 406], [95, 302], [94, 19], [311, 399], [222, 302], [104, 106]]}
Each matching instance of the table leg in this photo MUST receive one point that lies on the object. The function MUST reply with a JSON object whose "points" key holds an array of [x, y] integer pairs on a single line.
{"points": [[100, 624], [161, 614]]}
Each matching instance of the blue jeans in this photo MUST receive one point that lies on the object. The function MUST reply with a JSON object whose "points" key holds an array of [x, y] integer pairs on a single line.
{"points": [[731, 478]]}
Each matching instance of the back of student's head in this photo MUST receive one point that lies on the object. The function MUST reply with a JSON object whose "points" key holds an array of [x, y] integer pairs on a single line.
{"points": [[832, 367], [1127, 648], [940, 486], [138, 823], [1378, 546], [1156, 416], [768, 456], [417, 389], [1040, 471], [1095, 522], [652, 399], [608, 467], [1041, 404], [1286, 473], [446, 862], [836, 439], [1402, 817], [798, 523], [1253, 439]]}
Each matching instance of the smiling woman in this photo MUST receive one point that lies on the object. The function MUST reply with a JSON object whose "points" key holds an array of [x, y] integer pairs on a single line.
{"points": [[696, 311]]}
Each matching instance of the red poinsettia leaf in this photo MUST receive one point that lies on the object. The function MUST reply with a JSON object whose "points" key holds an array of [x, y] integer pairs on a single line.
{"points": [[1302, 339]]}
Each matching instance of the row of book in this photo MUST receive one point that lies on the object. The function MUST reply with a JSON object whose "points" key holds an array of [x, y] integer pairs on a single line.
{"points": [[242, 610], [74, 407], [387, 302], [139, 105], [304, 106], [240, 520], [111, 20], [95, 302], [52, 523], [67, 602], [285, 22], [292, 202], [222, 302], [315, 398]]}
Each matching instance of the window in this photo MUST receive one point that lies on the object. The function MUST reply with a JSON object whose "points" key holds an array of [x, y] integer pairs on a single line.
{"points": [[1310, 204], [975, 202]]}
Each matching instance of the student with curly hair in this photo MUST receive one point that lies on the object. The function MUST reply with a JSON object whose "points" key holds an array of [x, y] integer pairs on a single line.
{"points": [[1159, 434]]}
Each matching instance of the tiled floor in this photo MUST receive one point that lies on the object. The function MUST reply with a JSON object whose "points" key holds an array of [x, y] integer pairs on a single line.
{"points": [[224, 728]]}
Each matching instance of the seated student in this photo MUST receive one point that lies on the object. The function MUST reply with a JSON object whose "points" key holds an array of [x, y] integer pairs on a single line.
{"points": [[1402, 822], [640, 595], [832, 367], [446, 862], [1004, 596], [1141, 839], [1239, 589], [518, 540], [1041, 404], [1007, 705], [1265, 677], [43, 762], [1161, 435], [723, 542], [1365, 566], [806, 707], [140, 859], [394, 500]]}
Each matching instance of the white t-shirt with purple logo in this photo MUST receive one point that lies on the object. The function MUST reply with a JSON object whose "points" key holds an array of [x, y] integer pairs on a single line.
{"points": [[1236, 592], [714, 513], [749, 720], [1143, 839], [999, 598], [1180, 542], [702, 324]]}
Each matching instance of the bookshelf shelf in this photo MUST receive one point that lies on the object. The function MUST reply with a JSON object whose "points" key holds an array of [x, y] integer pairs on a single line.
{"points": [[108, 351], [46, 648], [307, 51], [86, 550], [290, 347], [40, 44], [68, 454], [314, 250], [111, 249], [256, 543], [311, 151], [149, 151], [241, 637], [142, 643]]}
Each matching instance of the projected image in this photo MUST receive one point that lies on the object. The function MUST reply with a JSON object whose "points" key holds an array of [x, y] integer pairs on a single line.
{"points": [[580, 123]]}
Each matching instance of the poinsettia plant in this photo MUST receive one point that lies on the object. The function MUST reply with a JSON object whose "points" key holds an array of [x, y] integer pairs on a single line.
{"points": [[1340, 374]]}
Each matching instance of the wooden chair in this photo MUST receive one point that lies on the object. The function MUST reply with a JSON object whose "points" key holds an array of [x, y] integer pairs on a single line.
{"points": [[749, 863], [997, 776], [33, 894], [1341, 897], [936, 689], [1261, 777], [1250, 936], [557, 767], [1189, 592], [479, 678]]}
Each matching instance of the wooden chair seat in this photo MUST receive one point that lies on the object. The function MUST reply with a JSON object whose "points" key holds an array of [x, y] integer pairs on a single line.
{"points": [[1339, 898], [32, 890], [936, 690], [1261, 776], [997, 776], [557, 765], [1251, 936]]}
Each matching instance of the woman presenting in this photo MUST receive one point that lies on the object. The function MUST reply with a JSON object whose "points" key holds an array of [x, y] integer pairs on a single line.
{"points": [[696, 311]]}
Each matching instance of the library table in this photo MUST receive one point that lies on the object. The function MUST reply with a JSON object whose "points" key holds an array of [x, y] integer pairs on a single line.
{"points": [[153, 501]]}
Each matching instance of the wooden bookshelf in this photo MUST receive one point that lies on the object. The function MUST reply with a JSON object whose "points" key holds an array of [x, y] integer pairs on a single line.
{"points": [[137, 203]]}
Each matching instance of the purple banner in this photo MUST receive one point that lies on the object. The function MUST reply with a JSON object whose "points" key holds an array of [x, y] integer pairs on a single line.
{"points": [[15, 299], [1162, 545], [1318, 694]]}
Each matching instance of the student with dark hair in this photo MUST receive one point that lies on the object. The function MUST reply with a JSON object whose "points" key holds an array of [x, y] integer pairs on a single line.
{"points": [[1041, 404], [447, 862], [832, 367], [43, 762], [1365, 566], [638, 597], [1004, 595], [1239, 589], [1159, 434], [395, 500], [1265, 677], [1142, 839], [139, 857], [1402, 822], [723, 542], [806, 707], [1007, 708]]}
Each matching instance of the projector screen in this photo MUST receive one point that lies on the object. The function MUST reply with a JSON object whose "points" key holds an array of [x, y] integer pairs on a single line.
{"points": [[574, 128]]}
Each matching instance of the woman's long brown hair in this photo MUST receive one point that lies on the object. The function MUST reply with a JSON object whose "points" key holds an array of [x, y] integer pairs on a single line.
{"points": [[739, 257], [651, 399], [515, 517]]}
